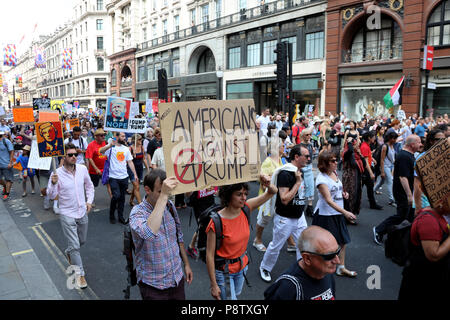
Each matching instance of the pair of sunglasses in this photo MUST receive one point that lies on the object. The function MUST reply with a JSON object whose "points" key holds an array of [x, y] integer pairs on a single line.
{"points": [[326, 256], [70, 155]]}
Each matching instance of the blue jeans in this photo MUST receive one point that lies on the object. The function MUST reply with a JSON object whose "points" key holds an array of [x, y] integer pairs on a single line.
{"points": [[389, 179], [236, 283]]}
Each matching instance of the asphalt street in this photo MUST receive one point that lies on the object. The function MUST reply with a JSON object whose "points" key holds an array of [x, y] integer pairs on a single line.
{"points": [[105, 265]]}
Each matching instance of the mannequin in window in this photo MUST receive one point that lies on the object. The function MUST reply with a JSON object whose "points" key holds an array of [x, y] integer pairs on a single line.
{"points": [[371, 108]]}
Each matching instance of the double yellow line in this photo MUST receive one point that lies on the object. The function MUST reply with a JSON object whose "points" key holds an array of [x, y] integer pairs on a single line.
{"points": [[60, 259]]}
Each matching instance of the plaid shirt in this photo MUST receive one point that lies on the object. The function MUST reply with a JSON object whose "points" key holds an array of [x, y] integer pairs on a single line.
{"points": [[158, 261]]}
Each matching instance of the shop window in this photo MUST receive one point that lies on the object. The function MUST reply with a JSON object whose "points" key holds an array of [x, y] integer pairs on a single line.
{"points": [[373, 45], [438, 25]]}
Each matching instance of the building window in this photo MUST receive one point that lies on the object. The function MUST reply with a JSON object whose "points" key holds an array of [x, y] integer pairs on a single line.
{"points": [[99, 43], [193, 17], [438, 25], [218, 9], [253, 55], [293, 41], [372, 45], [113, 77], [142, 72], [176, 67], [268, 55], [314, 45], [176, 22], [100, 64], [205, 13], [100, 85], [234, 58], [165, 27], [99, 24], [99, 5]]}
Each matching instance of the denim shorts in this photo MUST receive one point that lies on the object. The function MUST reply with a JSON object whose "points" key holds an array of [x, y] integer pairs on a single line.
{"points": [[236, 283], [7, 174]]}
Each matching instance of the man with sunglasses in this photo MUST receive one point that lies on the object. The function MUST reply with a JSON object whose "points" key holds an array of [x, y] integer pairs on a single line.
{"points": [[70, 182], [310, 278]]}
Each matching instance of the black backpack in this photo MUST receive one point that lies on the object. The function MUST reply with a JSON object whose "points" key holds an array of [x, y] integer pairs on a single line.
{"points": [[128, 251], [203, 220], [398, 246], [377, 157]]}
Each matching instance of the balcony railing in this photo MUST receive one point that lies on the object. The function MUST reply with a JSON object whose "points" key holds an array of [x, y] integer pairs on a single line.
{"points": [[243, 15], [374, 51]]}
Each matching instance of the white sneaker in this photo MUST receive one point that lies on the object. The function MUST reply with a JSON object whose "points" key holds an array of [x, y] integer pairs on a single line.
{"points": [[56, 210], [265, 275]]}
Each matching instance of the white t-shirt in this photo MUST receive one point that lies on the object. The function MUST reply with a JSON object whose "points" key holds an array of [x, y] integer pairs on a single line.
{"points": [[335, 189], [264, 121], [82, 144], [158, 159], [118, 162]]}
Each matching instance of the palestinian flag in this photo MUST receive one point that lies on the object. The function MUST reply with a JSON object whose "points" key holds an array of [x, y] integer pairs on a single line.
{"points": [[394, 96]]}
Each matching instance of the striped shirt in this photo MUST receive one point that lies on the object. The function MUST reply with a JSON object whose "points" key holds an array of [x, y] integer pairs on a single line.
{"points": [[158, 261]]}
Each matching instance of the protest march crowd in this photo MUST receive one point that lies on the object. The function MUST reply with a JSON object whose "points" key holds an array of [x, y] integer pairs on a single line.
{"points": [[331, 154]]}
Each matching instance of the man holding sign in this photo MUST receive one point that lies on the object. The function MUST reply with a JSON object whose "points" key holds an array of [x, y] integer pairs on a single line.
{"points": [[70, 182]]}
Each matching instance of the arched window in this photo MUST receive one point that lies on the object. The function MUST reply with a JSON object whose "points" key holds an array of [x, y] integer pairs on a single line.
{"points": [[113, 77], [438, 25], [378, 44], [206, 62]]}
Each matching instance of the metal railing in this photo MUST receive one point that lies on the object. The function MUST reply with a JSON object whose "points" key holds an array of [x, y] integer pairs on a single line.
{"points": [[242, 15], [373, 51]]}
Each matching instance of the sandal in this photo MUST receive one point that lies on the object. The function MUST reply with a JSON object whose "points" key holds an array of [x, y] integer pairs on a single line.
{"points": [[342, 271], [259, 246]]}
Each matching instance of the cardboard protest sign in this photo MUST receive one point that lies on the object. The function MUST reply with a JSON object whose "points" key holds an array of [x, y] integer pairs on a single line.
{"points": [[71, 123], [23, 115], [134, 110], [210, 143], [433, 169], [117, 114], [50, 139], [57, 105], [41, 103], [137, 125], [35, 162], [68, 108], [48, 116]]}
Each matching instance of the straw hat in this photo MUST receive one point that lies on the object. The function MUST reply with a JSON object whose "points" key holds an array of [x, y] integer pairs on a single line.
{"points": [[27, 148], [99, 131]]}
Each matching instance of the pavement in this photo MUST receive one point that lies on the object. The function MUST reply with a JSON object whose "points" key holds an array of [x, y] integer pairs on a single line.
{"points": [[22, 275], [33, 266]]}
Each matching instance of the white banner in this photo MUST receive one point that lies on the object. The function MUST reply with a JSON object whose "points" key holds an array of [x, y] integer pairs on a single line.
{"points": [[137, 125], [35, 162]]}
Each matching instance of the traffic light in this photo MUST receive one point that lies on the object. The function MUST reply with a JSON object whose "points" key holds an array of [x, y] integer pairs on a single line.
{"points": [[162, 84], [281, 62]]}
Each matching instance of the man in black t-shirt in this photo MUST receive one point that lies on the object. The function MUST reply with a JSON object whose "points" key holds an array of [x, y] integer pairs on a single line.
{"points": [[310, 278], [403, 187], [289, 206]]}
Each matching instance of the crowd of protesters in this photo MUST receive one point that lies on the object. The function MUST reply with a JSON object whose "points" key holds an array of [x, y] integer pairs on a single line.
{"points": [[378, 153]]}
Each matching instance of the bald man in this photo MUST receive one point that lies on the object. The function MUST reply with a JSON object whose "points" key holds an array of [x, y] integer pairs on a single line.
{"points": [[403, 187], [310, 278]]}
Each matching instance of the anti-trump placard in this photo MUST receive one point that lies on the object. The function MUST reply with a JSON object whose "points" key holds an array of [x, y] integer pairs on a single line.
{"points": [[209, 143]]}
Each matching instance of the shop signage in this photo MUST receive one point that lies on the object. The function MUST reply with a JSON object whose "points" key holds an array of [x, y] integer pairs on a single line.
{"points": [[432, 85], [428, 53]]}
